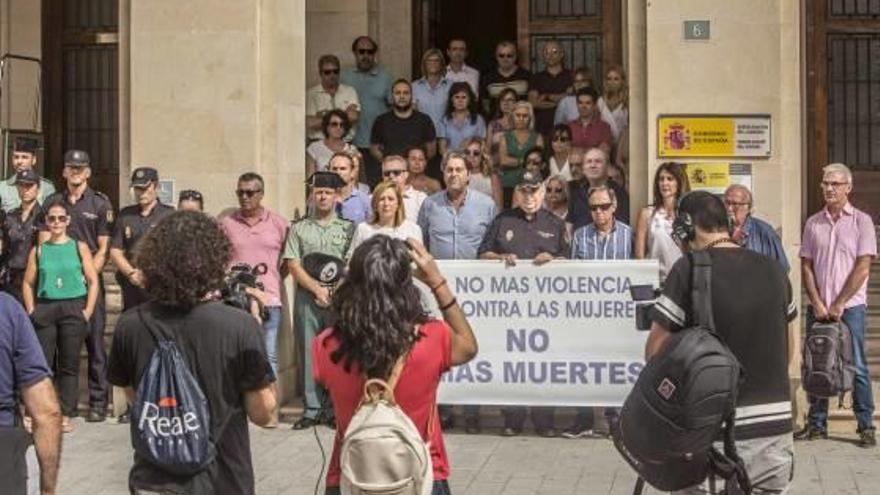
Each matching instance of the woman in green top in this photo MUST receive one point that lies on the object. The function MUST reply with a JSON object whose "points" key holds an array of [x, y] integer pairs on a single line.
{"points": [[60, 289], [514, 145]]}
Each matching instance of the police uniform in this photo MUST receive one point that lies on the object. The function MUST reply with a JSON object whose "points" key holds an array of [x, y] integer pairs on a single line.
{"points": [[308, 236], [19, 236], [512, 233], [90, 217], [9, 199], [130, 227]]}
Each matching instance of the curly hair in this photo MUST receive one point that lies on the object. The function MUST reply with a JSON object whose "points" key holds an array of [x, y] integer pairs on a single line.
{"points": [[183, 258], [377, 308]]}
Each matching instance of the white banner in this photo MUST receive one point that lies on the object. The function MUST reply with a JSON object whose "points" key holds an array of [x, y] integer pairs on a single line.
{"points": [[560, 334]]}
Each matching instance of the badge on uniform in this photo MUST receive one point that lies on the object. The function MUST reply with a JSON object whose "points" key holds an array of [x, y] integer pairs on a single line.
{"points": [[508, 235], [127, 232], [109, 215], [545, 235]]}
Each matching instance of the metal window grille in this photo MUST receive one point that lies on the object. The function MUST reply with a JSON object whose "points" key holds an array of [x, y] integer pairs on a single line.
{"points": [[580, 51], [853, 8], [854, 100], [98, 15], [555, 9], [91, 100]]}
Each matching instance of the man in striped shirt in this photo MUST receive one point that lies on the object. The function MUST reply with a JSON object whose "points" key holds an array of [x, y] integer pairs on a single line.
{"points": [[604, 239]]}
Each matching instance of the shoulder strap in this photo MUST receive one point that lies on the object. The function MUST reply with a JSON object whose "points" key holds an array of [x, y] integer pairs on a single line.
{"points": [[157, 329], [701, 288]]}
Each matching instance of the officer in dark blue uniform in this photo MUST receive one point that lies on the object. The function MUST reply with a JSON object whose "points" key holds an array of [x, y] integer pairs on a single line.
{"points": [[133, 222], [91, 218], [20, 228]]}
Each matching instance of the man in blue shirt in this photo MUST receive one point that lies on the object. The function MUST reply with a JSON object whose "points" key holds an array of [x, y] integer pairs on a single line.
{"points": [[750, 232], [23, 370], [353, 204], [373, 86], [453, 223]]}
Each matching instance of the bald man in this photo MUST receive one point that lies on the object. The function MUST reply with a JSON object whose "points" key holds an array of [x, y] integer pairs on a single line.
{"points": [[750, 232]]}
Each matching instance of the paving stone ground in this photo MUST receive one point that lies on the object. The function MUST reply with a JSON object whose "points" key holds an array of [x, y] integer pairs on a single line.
{"points": [[97, 457]]}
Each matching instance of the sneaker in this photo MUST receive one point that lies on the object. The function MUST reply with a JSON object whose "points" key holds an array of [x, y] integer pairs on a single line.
{"points": [[304, 423], [809, 432], [577, 432], [510, 432], [867, 438], [96, 415]]}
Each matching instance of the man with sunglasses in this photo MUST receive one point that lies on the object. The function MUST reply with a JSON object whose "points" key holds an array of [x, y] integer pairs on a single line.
{"points": [[91, 216], [257, 236], [527, 232], [326, 233], [394, 169], [594, 173], [839, 243], [24, 157], [373, 86], [20, 227], [507, 74], [330, 95]]}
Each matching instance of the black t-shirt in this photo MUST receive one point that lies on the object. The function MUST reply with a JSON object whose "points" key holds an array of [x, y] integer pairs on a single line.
{"points": [[752, 305], [225, 350], [396, 135], [579, 204], [548, 84], [19, 236], [493, 83], [512, 233]]}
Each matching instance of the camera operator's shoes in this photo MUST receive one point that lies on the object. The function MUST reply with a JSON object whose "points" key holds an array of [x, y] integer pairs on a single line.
{"points": [[867, 439], [809, 432], [304, 423]]}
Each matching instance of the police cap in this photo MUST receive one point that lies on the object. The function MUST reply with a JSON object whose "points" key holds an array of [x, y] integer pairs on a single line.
{"points": [[76, 158]]}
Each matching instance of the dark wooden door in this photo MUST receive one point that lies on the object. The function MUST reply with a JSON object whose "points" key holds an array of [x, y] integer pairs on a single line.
{"points": [[81, 84], [843, 100]]}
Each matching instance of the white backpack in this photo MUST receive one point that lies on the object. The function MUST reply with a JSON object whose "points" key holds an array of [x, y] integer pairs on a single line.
{"points": [[382, 450]]}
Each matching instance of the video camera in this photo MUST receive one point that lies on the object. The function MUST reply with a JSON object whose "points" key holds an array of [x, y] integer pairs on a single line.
{"points": [[240, 277], [644, 296]]}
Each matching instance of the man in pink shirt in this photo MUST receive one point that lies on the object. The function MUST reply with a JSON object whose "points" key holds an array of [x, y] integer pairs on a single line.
{"points": [[838, 246], [589, 130], [257, 235]]}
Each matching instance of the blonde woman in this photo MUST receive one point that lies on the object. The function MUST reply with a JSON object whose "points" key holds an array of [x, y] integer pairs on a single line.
{"points": [[514, 145], [389, 218], [483, 177], [614, 102], [556, 198]]}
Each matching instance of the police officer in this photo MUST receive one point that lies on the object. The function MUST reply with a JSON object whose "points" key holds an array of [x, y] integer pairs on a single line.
{"points": [[91, 218], [134, 221], [24, 157], [528, 231], [20, 227], [320, 232]]}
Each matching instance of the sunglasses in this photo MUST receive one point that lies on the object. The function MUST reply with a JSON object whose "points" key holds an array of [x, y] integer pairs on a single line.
{"points": [[554, 189], [392, 173], [602, 206], [190, 195], [560, 139], [247, 193], [327, 72], [56, 218], [366, 51], [474, 152]]}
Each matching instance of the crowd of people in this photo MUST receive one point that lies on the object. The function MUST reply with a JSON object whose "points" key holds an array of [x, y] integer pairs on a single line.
{"points": [[456, 165]]}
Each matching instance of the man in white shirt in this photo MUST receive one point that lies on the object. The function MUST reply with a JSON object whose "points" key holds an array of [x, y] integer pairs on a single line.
{"points": [[394, 169], [457, 70], [330, 95]]}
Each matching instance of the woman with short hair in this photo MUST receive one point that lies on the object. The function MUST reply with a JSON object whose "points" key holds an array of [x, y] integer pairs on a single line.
{"points": [[389, 217]]}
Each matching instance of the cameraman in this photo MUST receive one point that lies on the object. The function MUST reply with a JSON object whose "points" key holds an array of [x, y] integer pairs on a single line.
{"points": [[752, 305], [185, 257]]}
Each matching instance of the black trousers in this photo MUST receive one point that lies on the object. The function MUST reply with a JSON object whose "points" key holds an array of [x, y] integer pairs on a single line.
{"points": [[97, 353], [515, 417], [60, 328]]}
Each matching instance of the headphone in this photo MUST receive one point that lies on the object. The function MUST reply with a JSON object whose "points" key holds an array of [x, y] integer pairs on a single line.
{"points": [[683, 228]]}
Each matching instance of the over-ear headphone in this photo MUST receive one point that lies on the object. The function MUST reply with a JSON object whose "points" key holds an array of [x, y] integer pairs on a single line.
{"points": [[683, 228]]}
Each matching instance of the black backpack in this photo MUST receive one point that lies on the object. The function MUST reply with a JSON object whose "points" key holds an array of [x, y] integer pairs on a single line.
{"points": [[827, 368], [170, 416], [683, 400]]}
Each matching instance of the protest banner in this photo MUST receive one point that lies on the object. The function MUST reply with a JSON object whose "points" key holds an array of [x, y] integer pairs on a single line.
{"points": [[561, 334]]}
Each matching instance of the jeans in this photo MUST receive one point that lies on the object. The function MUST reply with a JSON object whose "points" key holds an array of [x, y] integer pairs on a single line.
{"points": [[60, 327], [270, 330], [768, 460], [862, 395], [441, 487]]}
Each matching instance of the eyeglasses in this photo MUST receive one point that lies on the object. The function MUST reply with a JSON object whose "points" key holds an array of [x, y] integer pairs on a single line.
{"points": [[247, 193], [561, 139], [56, 218], [327, 72], [505, 55], [828, 183], [735, 203], [392, 173], [600, 206], [335, 123], [366, 51]]}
